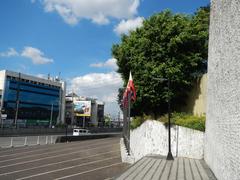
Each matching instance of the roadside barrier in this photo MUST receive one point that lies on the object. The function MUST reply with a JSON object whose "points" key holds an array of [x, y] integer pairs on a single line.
{"points": [[8, 142]]}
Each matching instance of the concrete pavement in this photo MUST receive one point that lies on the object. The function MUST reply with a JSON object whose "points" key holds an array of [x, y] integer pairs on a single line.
{"points": [[158, 168]]}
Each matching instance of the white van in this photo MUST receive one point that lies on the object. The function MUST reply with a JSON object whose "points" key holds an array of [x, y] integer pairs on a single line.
{"points": [[78, 132]]}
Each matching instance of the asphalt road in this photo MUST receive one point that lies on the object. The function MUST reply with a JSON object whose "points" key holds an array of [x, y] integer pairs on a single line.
{"points": [[92, 159]]}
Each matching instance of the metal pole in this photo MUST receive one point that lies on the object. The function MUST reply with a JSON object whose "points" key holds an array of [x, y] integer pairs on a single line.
{"points": [[128, 128], [125, 126], [84, 121], [17, 100], [51, 116], [1, 117], [169, 156], [72, 114], [66, 127]]}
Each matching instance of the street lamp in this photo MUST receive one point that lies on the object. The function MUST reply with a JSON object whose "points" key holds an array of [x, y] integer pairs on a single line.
{"points": [[169, 155]]}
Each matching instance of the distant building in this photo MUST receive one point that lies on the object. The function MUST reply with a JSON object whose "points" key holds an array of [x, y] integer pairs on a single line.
{"points": [[83, 112], [31, 101]]}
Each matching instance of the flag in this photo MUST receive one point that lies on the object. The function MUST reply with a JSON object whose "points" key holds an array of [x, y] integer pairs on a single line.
{"points": [[129, 89]]}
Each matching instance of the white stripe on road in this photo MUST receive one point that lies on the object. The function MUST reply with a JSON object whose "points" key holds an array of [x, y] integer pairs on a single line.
{"points": [[47, 147], [60, 162], [65, 177], [39, 154], [70, 167], [24, 162]]}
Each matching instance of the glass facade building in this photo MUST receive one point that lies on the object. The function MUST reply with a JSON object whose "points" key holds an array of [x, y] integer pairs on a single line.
{"points": [[31, 101]]}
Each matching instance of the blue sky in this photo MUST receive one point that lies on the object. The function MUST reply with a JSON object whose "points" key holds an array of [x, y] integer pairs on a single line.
{"points": [[74, 38]]}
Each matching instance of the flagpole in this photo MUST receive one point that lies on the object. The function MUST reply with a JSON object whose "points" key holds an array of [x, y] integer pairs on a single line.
{"points": [[129, 113]]}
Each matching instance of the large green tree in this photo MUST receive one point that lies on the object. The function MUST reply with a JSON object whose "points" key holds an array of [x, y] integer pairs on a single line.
{"points": [[167, 46]]}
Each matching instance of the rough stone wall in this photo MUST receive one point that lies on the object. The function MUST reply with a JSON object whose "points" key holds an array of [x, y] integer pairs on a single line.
{"points": [[196, 101], [222, 146], [152, 138]]}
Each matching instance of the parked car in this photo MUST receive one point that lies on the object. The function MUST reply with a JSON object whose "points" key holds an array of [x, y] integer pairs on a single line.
{"points": [[78, 132]]}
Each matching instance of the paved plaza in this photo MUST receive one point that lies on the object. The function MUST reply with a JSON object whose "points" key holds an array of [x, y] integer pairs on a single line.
{"points": [[91, 159], [155, 168]]}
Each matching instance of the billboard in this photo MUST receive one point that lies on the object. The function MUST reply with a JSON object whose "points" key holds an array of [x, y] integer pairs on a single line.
{"points": [[82, 108]]}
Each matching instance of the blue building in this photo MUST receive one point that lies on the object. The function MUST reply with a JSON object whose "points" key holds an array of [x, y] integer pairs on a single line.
{"points": [[31, 101]]}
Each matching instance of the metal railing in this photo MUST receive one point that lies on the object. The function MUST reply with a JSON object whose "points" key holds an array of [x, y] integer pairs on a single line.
{"points": [[7, 142]]}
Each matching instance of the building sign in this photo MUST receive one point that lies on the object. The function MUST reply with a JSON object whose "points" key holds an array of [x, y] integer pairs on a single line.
{"points": [[82, 108], [3, 116]]}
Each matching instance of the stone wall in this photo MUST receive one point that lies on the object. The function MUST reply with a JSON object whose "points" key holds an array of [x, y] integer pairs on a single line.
{"points": [[152, 138], [222, 147], [196, 101]]}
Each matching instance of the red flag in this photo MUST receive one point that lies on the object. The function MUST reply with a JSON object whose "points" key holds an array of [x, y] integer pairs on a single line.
{"points": [[125, 98], [129, 89]]}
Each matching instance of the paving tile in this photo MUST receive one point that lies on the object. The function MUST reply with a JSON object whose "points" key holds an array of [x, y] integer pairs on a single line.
{"points": [[195, 171], [188, 173], [159, 170], [180, 175], [132, 169], [153, 168], [167, 170], [202, 171], [145, 170], [139, 169], [174, 170]]}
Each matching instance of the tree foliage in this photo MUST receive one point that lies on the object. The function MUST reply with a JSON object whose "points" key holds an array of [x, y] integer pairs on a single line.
{"points": [[169, 46]]}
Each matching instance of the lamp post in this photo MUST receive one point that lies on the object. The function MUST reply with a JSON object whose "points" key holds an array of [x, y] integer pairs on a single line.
{"points": [[169, 155]]}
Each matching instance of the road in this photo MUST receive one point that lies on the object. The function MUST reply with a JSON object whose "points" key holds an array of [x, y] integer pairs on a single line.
{"points": [[86, 160]]}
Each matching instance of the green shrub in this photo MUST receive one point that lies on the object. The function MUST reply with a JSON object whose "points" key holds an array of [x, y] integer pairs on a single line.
{"points": [[186, 120], [180, 119]]}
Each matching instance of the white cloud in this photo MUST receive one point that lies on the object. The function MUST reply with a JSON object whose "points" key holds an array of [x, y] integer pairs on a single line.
{"points": [[99, 85], [103, 86], [43, 76], [35, 55], [11, 52], [128, 25], [98, 11], [110, 63]]}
